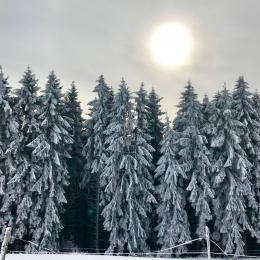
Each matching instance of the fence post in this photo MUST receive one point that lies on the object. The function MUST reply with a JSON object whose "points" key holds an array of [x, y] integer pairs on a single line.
{"points": [[5, 242], [208, 242]]}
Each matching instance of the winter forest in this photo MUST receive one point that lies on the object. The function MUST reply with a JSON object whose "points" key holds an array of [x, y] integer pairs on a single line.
{"points": [[124, 178]]}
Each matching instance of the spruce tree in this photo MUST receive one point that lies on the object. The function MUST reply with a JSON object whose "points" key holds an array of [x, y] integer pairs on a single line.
{"points": [[73, 220], [18, 195], [230, 176], [155, 124], [194, 156], [155, 130], [256, 101], [206, 113], [173, 227], [142, 149], [141, 111], [127, 189], [205, 105], [95, 150], [9, 142], [50, 151], [247, 113], [88, 149], [256, 166]]}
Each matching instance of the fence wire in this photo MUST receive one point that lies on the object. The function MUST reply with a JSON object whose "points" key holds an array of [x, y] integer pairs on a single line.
{"points": [[150, 253]]}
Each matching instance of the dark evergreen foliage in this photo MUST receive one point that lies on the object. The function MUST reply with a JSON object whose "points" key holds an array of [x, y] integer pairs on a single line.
{"points": [[74, 218], [155, 124], [123, 180], [95, 155], [155, 128]]}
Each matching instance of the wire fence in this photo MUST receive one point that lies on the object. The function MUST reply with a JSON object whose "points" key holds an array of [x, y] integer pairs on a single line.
{"points": [[158, 253]]}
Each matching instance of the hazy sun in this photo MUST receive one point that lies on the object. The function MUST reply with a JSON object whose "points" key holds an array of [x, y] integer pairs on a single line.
{"points": [[171, 44]]}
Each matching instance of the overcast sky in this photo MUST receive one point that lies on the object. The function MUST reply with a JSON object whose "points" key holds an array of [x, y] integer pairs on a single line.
{"points": [[80, 39]]}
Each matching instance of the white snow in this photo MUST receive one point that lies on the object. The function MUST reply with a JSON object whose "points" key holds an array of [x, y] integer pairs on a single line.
{"points": [[71, 257], [91, 257]]}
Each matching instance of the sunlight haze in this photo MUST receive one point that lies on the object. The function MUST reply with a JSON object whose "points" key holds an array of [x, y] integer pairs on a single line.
{"points": [[82, 39]]}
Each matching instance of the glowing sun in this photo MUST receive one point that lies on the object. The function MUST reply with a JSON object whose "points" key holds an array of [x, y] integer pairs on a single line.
{"points": [[171, 44]]}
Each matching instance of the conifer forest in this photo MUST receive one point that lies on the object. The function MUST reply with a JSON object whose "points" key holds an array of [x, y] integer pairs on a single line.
{"points": [[125, 178]]}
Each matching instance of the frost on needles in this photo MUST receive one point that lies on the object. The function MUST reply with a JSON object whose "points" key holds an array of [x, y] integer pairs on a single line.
{"points": [[49, 149]]}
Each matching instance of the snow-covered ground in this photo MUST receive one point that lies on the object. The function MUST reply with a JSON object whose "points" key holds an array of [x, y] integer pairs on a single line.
{"points": [[70, 257], [88, 257]]}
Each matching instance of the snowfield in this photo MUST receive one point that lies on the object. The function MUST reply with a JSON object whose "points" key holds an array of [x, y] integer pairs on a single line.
{"points": [[89, 257], [70, 257]]}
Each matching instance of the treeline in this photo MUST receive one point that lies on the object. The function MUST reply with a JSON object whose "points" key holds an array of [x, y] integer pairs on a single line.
{"points": [[127, 179]]}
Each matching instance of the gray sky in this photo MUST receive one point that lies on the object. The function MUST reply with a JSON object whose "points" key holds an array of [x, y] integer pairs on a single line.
{"points": [[80, 39]]}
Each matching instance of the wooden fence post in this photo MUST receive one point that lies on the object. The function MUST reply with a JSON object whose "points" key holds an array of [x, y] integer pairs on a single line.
{"points": [[6, 240]]}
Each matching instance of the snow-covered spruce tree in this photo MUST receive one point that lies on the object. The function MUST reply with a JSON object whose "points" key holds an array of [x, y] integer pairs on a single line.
{"points": [[72, 218], [256, 101], [205, 105], [87, 185], [8, 90], [88, 148], [155, 130], [193, 155], [206, 113], [185, 117], [18, 195], [246, 113], [141, 128], [256, 166], [50, 151], [231, 171], [145, 191], [142, 123], [9, 141], [95, 150], [173, 227], [141, 111], [155, 124], [126, 188]]}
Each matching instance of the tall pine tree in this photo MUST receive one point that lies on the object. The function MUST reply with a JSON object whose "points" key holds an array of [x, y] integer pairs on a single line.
{"points": [[256, 166], [230, 176], [155, 124], [193, 155], [73, 219], [246, 112], [155, 130], [95, 150], [18, 195], [50, 150], [173, 227], [143, 150], [9, 142], [127, 190]]}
